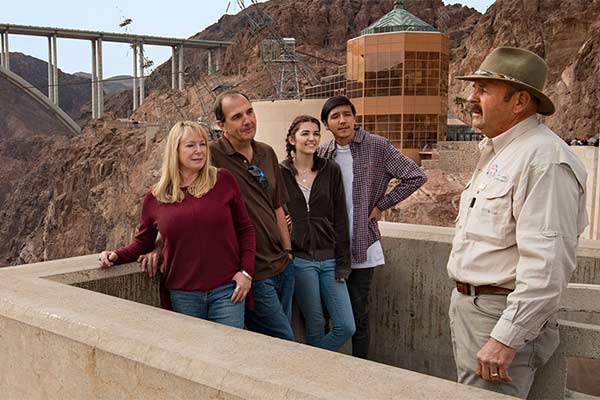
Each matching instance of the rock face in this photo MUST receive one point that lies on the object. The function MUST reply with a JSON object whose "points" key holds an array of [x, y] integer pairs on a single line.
{"points": [[83, 196], [566, 33], [27, 131], [435, 203]]}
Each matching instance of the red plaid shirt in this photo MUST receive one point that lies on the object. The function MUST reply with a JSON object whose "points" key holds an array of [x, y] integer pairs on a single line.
{"points": [[375, 162]]}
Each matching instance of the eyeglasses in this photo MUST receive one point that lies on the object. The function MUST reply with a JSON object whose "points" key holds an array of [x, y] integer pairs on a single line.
{"points": [[260, 176]]}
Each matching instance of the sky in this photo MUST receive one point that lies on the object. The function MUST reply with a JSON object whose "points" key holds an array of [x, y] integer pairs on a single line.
{"points": [[150, 17]]}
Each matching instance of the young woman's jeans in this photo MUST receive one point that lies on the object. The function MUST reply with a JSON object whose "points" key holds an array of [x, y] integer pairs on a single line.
{"points": [[213, 305], [316, 286]]}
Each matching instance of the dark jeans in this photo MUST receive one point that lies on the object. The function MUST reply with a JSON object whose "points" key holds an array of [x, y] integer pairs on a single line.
{"points": [[359, 286], [272, 314]]}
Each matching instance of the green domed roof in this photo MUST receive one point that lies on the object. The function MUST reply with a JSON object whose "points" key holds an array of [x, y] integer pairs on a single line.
{"points": [[398, 20]]}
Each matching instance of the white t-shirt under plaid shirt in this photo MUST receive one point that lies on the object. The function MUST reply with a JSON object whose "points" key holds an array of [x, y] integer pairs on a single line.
{"points": [[343, 157]]}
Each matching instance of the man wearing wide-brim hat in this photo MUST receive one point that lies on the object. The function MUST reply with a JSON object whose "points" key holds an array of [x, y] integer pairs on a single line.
{"points": [[519, 221]]}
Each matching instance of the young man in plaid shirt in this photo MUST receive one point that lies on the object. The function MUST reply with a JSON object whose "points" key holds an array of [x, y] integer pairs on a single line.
{"points": [[368, 163]]}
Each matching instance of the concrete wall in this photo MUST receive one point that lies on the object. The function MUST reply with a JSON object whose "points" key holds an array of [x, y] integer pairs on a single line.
{"points": [[59, 341], [411, 296]]}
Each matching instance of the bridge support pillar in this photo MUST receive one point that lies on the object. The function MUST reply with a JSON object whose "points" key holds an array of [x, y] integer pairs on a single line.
{"points": [[50, 71], [136, 104], [2, 49], [55, 69], [218, 59], [5, 52], [142, 64], [180, 69], [100, 90], [173, 66], [94, 80]]}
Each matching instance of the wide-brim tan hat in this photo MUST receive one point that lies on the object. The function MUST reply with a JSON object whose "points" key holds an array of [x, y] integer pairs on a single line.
{"points": [[518, 67]]}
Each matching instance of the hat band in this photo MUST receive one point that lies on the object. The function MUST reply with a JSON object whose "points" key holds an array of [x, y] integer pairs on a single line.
{"points": [[489, 74]]}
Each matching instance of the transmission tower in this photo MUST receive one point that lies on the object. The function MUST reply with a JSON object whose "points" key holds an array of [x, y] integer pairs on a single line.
{"points": [[278, 54]]}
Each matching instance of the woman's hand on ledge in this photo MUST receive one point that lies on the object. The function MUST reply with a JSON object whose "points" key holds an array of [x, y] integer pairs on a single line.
{"points": [[107, 259]]}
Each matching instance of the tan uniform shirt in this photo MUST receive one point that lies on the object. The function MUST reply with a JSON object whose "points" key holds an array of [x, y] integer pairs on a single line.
{"points": [[518, 225]]}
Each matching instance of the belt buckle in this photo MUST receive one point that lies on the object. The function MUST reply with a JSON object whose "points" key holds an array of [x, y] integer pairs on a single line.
{"points": [[472, 290]]}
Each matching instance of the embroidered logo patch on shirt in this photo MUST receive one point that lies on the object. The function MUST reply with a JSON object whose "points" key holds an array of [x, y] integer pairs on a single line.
{"points": [[491, 172]]}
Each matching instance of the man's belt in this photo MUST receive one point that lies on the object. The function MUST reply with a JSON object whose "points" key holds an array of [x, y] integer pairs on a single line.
{"points": [[470, 290]]}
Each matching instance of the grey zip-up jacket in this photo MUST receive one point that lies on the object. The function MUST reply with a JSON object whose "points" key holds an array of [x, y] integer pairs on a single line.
{"points": [[321, 233]]}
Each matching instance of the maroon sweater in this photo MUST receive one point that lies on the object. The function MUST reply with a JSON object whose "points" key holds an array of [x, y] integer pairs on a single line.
{"points": [[206, 240]]}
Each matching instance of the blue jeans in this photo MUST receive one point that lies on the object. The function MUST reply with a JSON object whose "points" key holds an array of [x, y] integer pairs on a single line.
{"points": [[316, 285], [272, 312], [213, 305]]}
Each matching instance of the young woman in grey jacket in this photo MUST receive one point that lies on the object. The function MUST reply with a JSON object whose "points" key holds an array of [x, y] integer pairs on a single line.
{"points": [[320, 235]]}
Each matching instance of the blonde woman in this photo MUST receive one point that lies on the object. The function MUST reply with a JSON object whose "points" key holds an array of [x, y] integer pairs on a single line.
{"points": [[208, 239]]}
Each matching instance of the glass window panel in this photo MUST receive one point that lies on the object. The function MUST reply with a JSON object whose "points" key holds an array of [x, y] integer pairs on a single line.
{"points": [[395, 91], [433, 73], [383, 74], [396, 58], [382, 126], [381, 92]]}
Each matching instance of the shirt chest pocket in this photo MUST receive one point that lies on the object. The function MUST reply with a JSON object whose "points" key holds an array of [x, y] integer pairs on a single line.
{"points": [[490, 217]]}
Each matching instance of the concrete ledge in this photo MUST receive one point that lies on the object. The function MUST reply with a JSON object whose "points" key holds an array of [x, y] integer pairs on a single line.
{"points": [[60, 341]]}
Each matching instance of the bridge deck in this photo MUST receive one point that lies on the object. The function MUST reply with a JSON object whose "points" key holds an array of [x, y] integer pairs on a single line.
{"points": [[109, 36]]}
